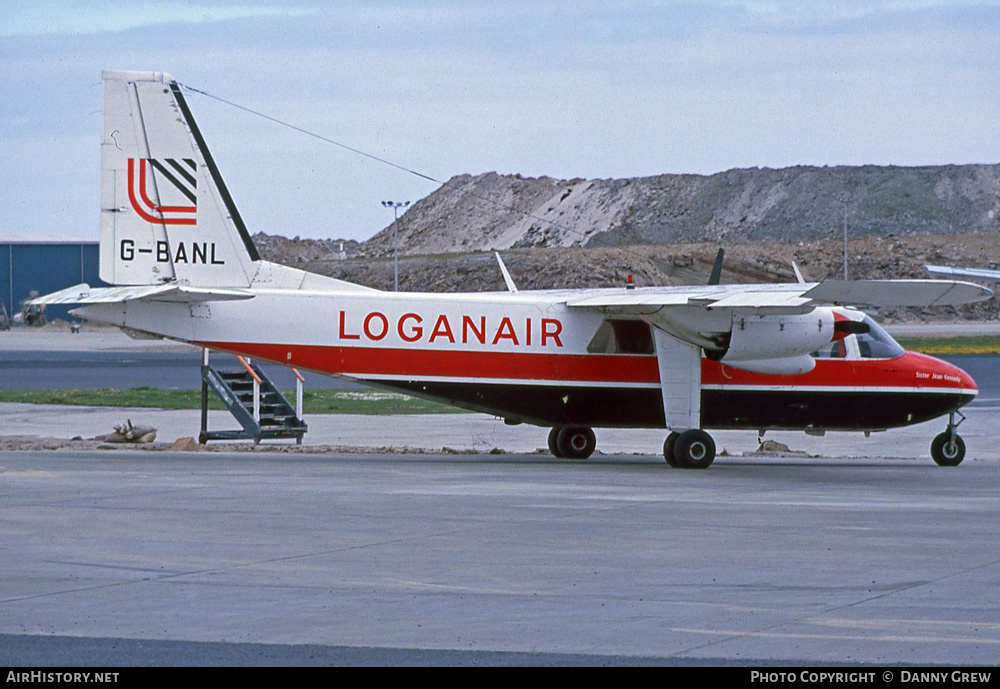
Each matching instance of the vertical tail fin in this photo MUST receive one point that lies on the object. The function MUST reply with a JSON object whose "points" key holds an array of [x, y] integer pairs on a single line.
{"points": [[165, 212]]}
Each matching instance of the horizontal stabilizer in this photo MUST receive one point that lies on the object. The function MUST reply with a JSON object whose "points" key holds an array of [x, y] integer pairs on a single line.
{"points": [[84, 294]]}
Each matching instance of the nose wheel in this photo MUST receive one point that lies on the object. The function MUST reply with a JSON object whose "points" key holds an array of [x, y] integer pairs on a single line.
{"points": [[948, 448]]}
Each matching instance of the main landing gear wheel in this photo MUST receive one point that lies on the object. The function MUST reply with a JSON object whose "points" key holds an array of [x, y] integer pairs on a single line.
{"points": [[553, 445], [668, 450], [948, 449], [692, 449], [572, 442]]}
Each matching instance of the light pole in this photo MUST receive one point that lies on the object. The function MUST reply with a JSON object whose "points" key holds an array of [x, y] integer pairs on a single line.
{"points": [[845, 199], [395, 206]]}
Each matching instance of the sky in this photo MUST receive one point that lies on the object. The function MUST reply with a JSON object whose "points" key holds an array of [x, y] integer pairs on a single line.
{"points": [[581, 89]]}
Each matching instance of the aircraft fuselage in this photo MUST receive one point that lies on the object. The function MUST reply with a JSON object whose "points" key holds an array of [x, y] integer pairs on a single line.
{"points": [[528, 357]]}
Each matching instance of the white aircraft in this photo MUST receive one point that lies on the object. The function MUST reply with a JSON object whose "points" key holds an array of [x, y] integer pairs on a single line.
{"points": [[985, 274], [679, 358]]}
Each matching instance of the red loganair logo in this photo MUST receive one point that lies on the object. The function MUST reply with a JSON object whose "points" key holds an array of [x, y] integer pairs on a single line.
{"points": [[170, 173], [412, 327]]}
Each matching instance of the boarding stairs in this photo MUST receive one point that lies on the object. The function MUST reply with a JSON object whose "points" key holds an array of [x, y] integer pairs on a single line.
{"points": [[254, 401]]}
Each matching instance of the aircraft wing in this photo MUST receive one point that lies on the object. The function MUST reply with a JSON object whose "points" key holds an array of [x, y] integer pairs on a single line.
{"points": [[789, 298], [974, 273], [769, 329], [921, 293], [85, 294]]}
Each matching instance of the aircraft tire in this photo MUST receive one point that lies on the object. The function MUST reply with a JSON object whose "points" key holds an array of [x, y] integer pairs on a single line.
{"points": [[576, 442], [946, 453], [694, 449], [668, 450], [553, 445]]}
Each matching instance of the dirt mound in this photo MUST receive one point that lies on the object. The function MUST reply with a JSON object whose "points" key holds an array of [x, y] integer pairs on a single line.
{"points": [[491, 211], [665, 230]]}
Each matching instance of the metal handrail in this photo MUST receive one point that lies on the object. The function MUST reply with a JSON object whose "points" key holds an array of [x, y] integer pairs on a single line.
{"points": [[246, 365], [299, 381]]}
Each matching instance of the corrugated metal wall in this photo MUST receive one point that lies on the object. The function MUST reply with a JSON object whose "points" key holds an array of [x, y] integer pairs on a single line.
{"points": [[45, 267]]}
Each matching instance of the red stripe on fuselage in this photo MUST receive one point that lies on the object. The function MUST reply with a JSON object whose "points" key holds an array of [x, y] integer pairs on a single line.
{"points": [[911, 370], [441, 363]]}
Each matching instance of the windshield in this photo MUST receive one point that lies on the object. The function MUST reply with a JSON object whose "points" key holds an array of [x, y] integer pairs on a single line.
{"points": [[877, 343]]}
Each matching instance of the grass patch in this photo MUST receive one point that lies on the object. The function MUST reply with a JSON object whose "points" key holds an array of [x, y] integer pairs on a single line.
{"points": [[962, 344], [313, 401], [133, 397]]}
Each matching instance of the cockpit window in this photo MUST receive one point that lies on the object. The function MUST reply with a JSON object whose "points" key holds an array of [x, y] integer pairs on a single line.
{"points": [[877, 343], [867, 341]]}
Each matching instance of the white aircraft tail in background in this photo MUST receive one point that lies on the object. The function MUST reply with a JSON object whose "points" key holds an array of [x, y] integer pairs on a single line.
{"points": [[985, 274]]}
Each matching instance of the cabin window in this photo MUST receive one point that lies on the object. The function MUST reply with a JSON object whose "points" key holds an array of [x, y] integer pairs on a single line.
{"points": [[620, 336], [834, 350]]}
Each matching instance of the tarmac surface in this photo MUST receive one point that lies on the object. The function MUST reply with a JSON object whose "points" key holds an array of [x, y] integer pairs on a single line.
{"points": [[53, 358], [846, 550], [157, 558]]}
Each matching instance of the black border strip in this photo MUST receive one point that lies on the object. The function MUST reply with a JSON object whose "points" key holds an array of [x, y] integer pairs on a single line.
{"points": [[216, 176], [188, 175], [174, 181]]}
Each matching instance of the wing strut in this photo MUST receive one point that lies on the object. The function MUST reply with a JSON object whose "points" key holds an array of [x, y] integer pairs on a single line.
{"points": [[680, 381]]}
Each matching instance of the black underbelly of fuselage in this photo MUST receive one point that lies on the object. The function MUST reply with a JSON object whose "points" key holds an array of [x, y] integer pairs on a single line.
{"points": [[619, 407]]}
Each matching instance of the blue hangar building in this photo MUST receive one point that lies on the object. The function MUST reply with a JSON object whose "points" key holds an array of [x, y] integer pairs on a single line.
{"points": [[44, 264]]}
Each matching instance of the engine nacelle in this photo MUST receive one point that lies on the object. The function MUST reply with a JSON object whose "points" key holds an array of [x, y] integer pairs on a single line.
{"points": [[778, 344], [785, 366]]}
